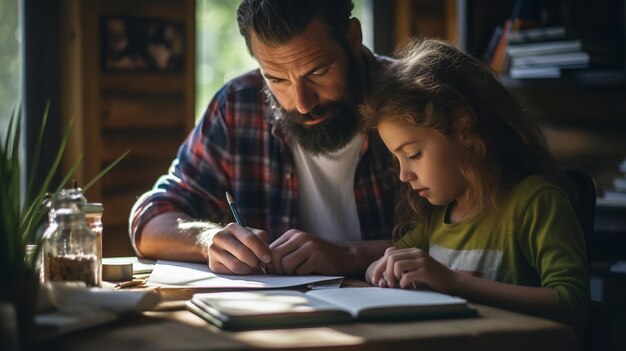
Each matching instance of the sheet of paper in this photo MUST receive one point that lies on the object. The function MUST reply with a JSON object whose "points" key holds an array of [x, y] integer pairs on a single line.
{"points": [[69, 306], [175, 274]]}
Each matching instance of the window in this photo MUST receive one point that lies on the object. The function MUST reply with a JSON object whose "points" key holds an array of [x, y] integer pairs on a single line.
{"points": [[10, 61], [222, 53]]}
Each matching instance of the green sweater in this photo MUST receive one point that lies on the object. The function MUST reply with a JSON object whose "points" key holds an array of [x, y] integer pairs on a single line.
{"points": [[532, 239]]}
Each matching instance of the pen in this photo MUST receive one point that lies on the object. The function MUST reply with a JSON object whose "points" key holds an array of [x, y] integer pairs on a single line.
{"points": [[233, 208]]}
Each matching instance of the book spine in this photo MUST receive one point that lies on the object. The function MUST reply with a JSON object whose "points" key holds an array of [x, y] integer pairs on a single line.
{"points": [[499, 61]]}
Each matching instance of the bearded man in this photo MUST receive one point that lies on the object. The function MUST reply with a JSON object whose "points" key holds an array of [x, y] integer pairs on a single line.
{"points": [[316, 194]]}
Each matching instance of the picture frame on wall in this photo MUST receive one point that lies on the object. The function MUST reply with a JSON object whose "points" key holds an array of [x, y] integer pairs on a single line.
{"points": [[135, 44]]}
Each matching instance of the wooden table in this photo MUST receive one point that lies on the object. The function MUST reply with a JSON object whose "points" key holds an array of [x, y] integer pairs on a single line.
{"points": [[176, 329]]}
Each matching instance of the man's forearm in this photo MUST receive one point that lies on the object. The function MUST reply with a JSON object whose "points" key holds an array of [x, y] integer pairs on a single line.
{"points": [[175, 236]]}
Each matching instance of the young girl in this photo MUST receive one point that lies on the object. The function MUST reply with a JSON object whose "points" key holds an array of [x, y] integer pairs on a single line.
{"points": [[483, 217]]}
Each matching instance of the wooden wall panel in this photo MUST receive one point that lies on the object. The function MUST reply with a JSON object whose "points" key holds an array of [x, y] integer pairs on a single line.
{"points": [[148, 112], [142, 111]]}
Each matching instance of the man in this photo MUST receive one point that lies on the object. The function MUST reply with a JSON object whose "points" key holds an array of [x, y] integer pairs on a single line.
{"points": [[284, 140]]}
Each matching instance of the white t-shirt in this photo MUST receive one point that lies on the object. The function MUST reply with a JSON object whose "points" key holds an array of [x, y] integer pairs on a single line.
{"points": [[327, 208]]}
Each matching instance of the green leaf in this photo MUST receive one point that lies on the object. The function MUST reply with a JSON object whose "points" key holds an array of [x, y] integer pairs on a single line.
{"points": [[67, 176], [105, 171], [20, 218], [37, 150], [27, 225]]}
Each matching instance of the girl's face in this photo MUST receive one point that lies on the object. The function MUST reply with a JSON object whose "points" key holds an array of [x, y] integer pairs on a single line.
{"points": [[428, 160]]}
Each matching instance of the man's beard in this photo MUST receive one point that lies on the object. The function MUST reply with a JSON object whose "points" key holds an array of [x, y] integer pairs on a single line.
{"points": [[335, 131]]}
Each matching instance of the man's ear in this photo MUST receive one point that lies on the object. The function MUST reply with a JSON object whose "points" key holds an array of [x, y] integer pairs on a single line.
{"points": [[354, 36]]}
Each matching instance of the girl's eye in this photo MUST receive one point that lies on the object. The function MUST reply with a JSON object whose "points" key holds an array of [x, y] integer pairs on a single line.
{"points": [[415, 156]]}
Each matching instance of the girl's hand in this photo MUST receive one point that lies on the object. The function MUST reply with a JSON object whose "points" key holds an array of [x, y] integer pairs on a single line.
{"points": [[369, 273], [409, 268]]}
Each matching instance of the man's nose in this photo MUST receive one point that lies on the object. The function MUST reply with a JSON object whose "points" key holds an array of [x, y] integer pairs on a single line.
{"points": [[306, 98]]}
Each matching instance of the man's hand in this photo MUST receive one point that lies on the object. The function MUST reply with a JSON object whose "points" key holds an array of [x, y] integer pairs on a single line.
{"points": [[238, 250], [297, 252]]}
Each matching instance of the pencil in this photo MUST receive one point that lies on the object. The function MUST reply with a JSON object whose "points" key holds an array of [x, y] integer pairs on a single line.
{"points": [[233, 209]]}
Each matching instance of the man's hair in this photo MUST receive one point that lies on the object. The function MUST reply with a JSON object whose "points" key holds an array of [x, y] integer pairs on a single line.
{"points": [[435, 85], [278, 21]]}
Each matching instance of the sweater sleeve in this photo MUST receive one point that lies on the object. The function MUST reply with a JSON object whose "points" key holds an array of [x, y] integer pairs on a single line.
{"points": [[553, 243]]}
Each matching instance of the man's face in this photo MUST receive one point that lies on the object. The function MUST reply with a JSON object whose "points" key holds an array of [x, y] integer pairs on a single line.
{"points": [[314, 88]]}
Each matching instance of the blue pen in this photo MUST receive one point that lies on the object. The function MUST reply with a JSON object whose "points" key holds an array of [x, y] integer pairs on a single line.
{"points": [[233, 208]]}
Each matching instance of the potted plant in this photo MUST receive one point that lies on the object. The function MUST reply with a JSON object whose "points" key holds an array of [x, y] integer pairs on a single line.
{"points": [[21, 217]]}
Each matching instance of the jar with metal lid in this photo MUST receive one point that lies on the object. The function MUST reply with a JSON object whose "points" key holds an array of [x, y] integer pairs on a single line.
{"points": [[70, 247]]}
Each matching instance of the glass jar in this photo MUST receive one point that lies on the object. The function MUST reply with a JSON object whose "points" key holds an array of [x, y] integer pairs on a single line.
{"points": [[70, 247], [93, 216], [33, 258]]}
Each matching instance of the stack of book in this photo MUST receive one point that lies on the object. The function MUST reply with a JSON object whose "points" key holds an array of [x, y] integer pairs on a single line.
{"points": [[544, 53], [617, 194], [549, 52]]}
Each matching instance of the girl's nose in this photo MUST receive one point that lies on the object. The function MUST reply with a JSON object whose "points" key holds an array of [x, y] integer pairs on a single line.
{"points": [[407, 175]]}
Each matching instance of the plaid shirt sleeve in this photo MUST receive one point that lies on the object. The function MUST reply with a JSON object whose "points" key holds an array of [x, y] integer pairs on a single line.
{"points": [[200, 174]]}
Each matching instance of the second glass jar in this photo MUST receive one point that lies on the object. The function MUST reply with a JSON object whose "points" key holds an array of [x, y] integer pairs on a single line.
{"points": [[70, 248]]}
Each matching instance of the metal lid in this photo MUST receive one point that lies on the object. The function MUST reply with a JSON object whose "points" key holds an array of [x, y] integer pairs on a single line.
{"points": [[119, 271], [94, 207]]}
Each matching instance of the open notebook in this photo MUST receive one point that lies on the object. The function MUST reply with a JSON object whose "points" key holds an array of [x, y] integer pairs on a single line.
{"points": [[288, 308]]}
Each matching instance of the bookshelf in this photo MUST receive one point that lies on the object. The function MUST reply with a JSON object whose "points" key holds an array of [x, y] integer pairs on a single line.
{"points": [[468, 23], [582, 113], [140, 98]]}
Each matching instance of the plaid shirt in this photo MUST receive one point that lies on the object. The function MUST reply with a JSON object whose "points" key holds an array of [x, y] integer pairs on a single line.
{"points": [[237, 147]]}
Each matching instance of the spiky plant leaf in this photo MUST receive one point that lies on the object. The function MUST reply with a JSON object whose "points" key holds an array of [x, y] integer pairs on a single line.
{"points": [[21, 218]]}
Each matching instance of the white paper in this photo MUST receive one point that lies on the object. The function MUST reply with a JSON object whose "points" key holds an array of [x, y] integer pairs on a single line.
{"points": [[357, 299], [175, 274], [69, 306], [76, 298]]}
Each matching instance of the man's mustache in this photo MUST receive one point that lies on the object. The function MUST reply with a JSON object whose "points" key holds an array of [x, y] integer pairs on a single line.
{"points": [[317, 112]]}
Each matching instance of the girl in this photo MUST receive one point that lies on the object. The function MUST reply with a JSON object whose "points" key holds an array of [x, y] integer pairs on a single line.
{"points": [[483, 217]]}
